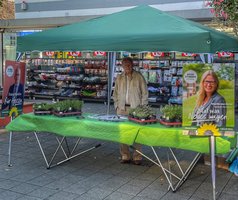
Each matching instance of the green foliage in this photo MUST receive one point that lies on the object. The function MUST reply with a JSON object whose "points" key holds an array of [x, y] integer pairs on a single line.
{"points": [[142, 112], [225, 12], [42, 107], [172, 112], [62, 106], [76, 104], [226, 72], [224, 84], [188, 109], [68, 106]]}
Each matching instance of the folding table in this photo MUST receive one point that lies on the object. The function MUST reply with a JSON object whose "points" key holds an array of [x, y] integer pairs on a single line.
{"points": [[153, 135], [160, 136]]}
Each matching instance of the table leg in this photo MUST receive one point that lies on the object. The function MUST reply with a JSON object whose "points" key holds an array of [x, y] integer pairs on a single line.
{"points": [[168, 173], [213, 165]]}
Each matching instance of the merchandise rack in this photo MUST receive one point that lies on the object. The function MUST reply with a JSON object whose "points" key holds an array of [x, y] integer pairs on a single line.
{"points": [[75, 77]]}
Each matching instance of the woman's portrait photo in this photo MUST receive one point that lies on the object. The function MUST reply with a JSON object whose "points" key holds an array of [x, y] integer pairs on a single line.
{"points": [[210, 105], [208, 94]]}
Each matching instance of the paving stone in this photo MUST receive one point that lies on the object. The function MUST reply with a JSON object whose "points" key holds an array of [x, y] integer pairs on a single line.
{"points": [[139, 182], [61, 195], [130, 189], [119, 196], [141, 198], [7, 184], [25, 176], [226, 196], [61, 183], [113, 183], [205, 191], [24, 188], [9, 195], [42, 180], [151, 194], [77, 189], [171, 195], [99, 175], [43, 192], [29, 198], [188, 188], [97, 193], [232, 186]]}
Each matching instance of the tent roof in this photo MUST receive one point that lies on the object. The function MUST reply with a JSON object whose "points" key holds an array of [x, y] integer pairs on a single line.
{"points": [[142, 28]]}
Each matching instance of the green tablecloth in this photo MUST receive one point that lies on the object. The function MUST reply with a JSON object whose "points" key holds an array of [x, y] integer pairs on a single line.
{"points": [[121, 132], [125, 132], [159, 135]]}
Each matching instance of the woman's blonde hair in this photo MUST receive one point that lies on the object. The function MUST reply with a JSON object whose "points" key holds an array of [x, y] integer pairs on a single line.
{"points": [[201, 92]]}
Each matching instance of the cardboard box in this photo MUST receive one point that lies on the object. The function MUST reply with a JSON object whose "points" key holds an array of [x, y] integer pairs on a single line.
{"points": [[220, 162]]}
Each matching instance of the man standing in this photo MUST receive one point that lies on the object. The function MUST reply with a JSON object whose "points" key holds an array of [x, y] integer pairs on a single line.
{"points": [[130, 91]]}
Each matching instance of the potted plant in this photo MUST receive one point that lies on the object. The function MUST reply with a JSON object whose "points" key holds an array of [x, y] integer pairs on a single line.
{"points": [[171, 115], [142, 113], [42, 108], [67, 108], [76, 105]]}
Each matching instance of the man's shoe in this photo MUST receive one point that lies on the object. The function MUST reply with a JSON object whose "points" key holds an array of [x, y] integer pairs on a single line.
{"points": [[125, 161], [137, 162]]}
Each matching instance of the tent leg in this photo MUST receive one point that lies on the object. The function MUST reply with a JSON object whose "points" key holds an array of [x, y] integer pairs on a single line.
{"points": [[10, 149]]}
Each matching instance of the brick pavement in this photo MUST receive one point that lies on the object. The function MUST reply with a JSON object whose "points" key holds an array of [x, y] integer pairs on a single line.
{"points": [[98, 174]]}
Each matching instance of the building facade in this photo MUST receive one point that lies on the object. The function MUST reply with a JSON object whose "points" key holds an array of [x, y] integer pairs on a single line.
{"points": [[81, 9]]}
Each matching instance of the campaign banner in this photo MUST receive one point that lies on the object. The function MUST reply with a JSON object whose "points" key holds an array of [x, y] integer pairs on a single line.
{"points": [[13, 88], [209, 99]]}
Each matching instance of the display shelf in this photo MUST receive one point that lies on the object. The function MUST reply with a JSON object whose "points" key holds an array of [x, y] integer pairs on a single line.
{"points": [[66, 77], [74, 75]]}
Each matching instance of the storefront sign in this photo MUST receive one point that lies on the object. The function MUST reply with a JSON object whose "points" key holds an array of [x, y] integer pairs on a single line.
{"points": [[225, 54], [189, 54], [13, 90], [157, 54], [74, 53], [49, 53], [99, 53]]}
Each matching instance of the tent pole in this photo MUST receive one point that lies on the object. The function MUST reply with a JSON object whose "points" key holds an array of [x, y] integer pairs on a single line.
{"points": [[111, 66], [1, 57]]}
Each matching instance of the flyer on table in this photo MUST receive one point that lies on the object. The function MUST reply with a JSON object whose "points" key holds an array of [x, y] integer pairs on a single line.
{"points": [[13, 88], [209, 99]]}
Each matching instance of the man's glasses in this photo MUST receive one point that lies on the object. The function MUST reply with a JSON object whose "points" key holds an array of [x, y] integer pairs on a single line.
{"points": [[210, 82]]}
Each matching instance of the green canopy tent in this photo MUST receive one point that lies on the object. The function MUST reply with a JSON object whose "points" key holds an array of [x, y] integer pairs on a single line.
{"points": [[142, 28]]}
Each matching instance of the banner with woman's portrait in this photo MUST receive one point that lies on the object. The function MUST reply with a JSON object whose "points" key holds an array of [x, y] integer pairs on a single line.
{"points": [[209, 99], [13, 88]]}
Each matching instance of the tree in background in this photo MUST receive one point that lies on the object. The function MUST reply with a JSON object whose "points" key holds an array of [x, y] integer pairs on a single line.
{"points": [[7, 9], [225, 12]]}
